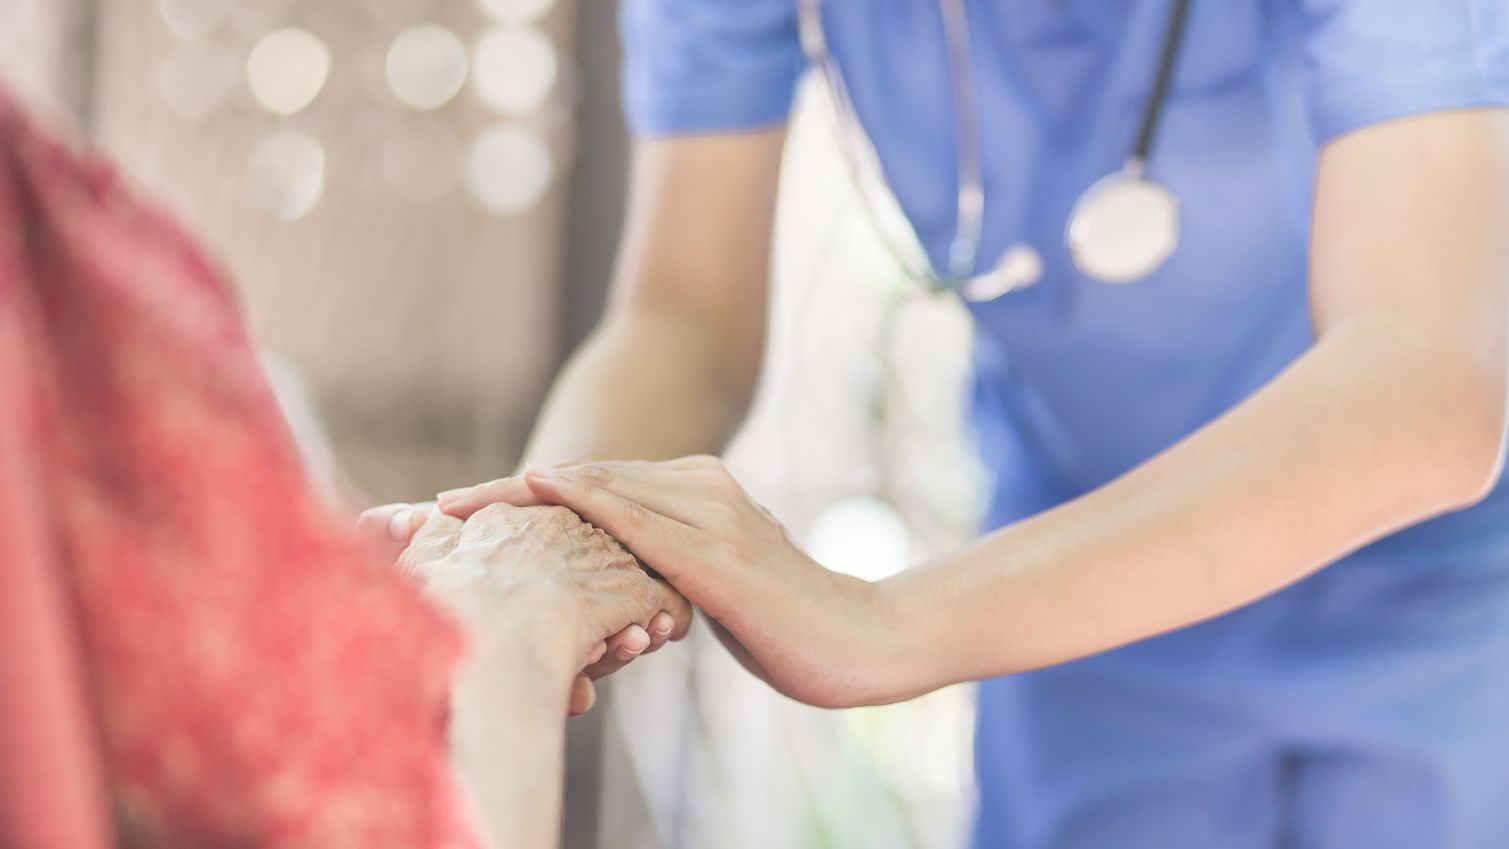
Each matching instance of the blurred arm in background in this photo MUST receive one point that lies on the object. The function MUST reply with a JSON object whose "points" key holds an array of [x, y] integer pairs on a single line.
{"points": [[672, 367]]}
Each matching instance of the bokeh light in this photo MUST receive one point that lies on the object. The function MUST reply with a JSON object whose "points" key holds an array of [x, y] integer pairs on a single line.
{"points": [[921, 749], [285, 174], [426, 66], [286, 69], [862, 536], [196, 78], [514, 69], [193, 18], [509, 169], [516, 11]]}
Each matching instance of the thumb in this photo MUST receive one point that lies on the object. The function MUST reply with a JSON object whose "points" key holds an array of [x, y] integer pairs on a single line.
{"points": [[389, 527]]}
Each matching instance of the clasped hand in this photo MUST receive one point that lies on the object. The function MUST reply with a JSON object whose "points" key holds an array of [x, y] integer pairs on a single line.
{"points": [[579, 587], [816, 635]]}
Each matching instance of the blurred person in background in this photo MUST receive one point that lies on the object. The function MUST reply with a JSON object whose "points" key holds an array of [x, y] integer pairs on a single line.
{"points": [[1308, 364], [194, 648]]}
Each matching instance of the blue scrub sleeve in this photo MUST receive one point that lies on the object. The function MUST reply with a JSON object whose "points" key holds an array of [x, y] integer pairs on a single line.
{"points": [[700, 66], [1374, 60]]}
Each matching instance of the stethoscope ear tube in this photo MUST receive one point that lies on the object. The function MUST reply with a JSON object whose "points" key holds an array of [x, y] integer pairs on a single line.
{"points": [[1168, 60]]}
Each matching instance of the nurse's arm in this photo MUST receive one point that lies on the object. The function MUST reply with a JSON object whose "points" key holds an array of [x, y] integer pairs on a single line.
{"points": [[1396, 414], [683, 331], [684, 328]]}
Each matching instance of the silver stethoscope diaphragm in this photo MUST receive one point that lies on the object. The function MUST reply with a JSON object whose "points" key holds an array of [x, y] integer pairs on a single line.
{"points": [[1123, 228]]}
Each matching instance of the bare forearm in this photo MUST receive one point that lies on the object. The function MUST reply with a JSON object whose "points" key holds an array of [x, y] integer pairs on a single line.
{"points": [[645, 386], [508, 736], [1360, 437]]}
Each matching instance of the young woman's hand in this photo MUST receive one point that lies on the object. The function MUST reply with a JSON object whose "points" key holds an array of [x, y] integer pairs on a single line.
{"points": [[815, 635]]}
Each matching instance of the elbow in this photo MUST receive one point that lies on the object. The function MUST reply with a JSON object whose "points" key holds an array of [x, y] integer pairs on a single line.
{"points": [[1480, 470], [1471, 443]]}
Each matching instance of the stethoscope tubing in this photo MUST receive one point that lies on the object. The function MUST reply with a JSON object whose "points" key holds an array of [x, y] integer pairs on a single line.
{"points": [[964, 247]]}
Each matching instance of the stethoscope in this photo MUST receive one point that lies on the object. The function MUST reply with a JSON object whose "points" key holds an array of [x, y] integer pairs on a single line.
{"points": [[1122, 229]]}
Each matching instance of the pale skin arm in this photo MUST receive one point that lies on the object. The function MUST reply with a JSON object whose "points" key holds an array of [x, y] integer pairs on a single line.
{"points": [[508, 738], [535, 589], [1397, 413], [673, 365]]}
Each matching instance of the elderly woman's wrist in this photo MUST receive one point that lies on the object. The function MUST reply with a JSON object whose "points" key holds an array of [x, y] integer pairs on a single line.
{"points": [[532, 624]]}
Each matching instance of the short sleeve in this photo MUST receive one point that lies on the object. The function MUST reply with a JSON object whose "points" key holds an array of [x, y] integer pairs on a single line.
{"points": [[695, 66], [1374, 60]]}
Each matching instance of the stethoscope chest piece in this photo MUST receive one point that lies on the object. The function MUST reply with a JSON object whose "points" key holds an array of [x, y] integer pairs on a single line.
{"points": [[1123, 228]]}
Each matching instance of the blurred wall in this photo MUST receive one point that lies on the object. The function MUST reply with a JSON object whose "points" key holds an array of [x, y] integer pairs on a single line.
{"points": [[43, 44], [387, 181]]}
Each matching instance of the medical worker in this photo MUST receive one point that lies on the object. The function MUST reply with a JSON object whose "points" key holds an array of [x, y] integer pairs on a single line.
{"points": [[1246, 567]]}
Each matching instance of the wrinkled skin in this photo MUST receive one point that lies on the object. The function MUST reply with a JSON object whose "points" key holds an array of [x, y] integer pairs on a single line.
{"points": [[589, 585]]}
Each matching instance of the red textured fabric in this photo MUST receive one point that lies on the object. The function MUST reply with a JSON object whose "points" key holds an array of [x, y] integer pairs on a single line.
{"points": [[193, 650]]}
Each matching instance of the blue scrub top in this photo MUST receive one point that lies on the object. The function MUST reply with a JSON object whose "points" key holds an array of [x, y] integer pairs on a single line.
{"points": [[1077, 381]]}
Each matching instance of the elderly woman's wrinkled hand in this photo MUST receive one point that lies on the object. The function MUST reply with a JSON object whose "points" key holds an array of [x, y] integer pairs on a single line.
{"points": [[576, 585]]}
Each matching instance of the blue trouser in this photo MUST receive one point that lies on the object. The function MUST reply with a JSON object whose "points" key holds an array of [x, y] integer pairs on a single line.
{"points": [[1365, 707]]}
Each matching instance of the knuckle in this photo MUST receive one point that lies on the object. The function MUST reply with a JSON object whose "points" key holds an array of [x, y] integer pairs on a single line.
{"points": [[593, 473], [408, 563], [493, 512], [557, 515], [492, 487], [635, 515]]}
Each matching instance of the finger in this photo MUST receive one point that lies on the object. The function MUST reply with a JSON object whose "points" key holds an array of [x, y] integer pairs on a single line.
{"points": [[628, 643], [375, 523], [390, 526], [661, 626], [666, 488], [435, 538], [664, 543], [465, 501], [583, 696], [623, 648], [596, 652], [675, 607]]}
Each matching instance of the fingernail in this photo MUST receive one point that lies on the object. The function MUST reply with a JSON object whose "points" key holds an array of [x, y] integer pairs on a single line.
{"points": [[454, 495], [627, 655], [398, 524]]}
